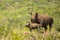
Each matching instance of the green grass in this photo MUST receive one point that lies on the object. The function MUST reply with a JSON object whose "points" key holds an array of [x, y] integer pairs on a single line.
{"points": [[14, 14]]}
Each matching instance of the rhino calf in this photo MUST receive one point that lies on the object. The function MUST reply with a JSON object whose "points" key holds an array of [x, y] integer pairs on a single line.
{"points": [[31, 26]]}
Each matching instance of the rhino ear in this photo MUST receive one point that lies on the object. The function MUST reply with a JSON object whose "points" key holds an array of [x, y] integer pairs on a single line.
{"points": [[36, 15], [30, 13]]}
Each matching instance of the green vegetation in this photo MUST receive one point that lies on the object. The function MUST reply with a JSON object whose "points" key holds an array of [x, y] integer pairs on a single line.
{"points": [[15, 13]]}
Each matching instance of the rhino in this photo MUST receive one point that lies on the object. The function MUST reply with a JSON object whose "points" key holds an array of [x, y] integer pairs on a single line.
{"points": [[43, 19]]}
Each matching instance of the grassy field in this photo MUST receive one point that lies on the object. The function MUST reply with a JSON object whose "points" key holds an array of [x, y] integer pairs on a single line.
{"points": [[14, 14]]}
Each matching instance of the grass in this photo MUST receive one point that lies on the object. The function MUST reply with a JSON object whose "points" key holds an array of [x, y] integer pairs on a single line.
{"points": [[14, 14]]}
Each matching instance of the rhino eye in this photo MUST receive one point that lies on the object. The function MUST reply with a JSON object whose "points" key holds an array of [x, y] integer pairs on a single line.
{"points": [[33, 20]]}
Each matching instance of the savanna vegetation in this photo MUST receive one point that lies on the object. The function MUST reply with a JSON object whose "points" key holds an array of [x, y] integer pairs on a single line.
{"points": [[14, 14]]}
